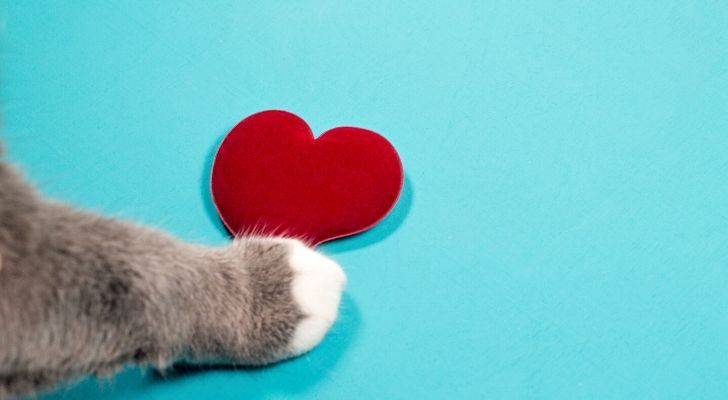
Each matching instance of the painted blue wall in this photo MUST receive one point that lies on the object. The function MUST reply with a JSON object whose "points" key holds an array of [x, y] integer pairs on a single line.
{"points": [[564, 228]]}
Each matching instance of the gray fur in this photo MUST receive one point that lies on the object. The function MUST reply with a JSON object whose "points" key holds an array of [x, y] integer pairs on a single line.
{"points": [[84, 294]]}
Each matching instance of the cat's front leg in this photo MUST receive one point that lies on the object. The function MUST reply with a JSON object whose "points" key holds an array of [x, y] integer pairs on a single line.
{"points": [[108, 293]]}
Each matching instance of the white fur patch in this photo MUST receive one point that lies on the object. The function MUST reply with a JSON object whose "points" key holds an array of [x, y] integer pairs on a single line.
{"points": [[317, 285]]}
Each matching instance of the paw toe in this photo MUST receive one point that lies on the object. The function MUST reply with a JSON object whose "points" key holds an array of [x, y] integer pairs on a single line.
{"points": [[317, 286]]}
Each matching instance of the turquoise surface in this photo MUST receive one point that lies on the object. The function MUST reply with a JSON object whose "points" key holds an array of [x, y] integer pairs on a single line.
{"points": [[564, 226]]}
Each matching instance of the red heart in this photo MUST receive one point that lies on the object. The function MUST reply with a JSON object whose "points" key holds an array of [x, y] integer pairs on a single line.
{"points": [[270, 176]]}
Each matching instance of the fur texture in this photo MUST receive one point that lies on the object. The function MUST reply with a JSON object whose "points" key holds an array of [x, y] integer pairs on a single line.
{"points": [[84, 294]]}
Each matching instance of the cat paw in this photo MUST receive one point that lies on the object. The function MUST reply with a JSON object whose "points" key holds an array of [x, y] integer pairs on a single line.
{"points": [[317, 286], [292, 293], [275, 298]]}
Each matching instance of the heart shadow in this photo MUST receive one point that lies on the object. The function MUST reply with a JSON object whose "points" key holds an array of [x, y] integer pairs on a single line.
{"points": [[205, 191], [385, 228]]}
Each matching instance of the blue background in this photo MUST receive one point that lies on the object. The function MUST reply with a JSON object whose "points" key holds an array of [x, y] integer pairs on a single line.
{"points": [[564, 226]]}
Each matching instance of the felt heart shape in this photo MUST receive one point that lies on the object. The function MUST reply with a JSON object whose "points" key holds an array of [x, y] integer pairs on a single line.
{"points": [[270, 176]]}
